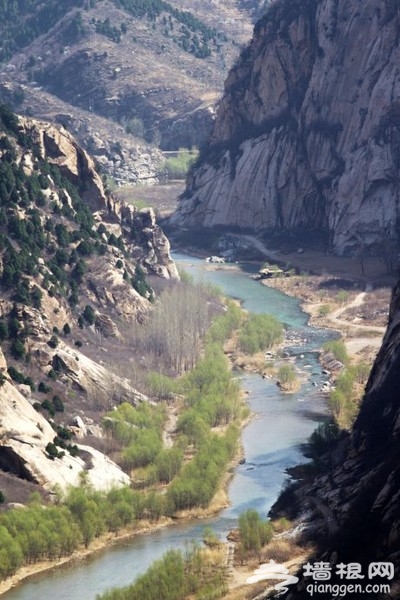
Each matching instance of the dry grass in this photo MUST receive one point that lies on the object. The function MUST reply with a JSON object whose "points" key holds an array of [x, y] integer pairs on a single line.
{"points": [[280, 550], [281, 525]]}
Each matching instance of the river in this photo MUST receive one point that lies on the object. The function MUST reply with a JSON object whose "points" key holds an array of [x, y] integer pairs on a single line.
{"points": [[272, 442]]}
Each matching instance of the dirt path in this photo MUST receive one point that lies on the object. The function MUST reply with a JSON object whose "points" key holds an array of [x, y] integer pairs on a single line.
{"points": [[358, 301], [170, 426]]}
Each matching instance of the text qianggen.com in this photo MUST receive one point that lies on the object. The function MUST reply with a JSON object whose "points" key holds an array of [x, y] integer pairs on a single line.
{"points": [[343, 589]]}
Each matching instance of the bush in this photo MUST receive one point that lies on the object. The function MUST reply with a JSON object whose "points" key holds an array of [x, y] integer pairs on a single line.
{"points": [[287, 376], [16, 375], [177, 167], [52, 374], [3, 331], [53, 452], [43, 388], [47, 405], [89, 314], [259, 332], [338, 349], [17, 349], [58, 404], [324, 310], [254, 533], [67, 329], [53, 341]]}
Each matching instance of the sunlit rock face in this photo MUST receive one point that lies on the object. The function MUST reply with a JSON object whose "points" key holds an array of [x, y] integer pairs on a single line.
{"points": [[307, 133]]}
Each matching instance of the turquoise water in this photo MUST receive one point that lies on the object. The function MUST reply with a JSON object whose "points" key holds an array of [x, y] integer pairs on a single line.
{"points": [[271, 442]]}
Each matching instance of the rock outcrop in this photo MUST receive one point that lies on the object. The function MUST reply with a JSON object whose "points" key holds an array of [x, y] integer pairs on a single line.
{"points": [[24, 436], [74, 263], [307, 133], [354, 508]]}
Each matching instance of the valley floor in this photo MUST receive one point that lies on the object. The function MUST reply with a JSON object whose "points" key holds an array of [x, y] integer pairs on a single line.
{"points": [[360, 320]]}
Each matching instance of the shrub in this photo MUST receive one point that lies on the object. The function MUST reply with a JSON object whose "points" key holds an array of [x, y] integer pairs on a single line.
{"points": [[58, 404], [52, 374], [47, 405], [53, 341], [254, 533], [67, 329], [16, 375], [287, 376], [324, 310], [43, 388], [177, 167], [53, 452], [3, 331], [17, 349], [342, 296], [89, 314], [338, 349]]}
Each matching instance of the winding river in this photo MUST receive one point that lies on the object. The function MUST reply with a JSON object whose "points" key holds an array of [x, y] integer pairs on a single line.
{"points": [[272, 443]]}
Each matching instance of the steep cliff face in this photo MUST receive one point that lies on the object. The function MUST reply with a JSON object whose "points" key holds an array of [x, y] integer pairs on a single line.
{"points": [[307, 133], [354, 509]]}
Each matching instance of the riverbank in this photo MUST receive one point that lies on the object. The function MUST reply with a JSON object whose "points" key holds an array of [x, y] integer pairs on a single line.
{"points": [[359, 317], [105, 541], [98, 545], [116, 539]]}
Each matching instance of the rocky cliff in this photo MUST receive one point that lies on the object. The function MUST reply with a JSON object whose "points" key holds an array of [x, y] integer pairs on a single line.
{"points": [[74, 276], [307, 132], [353, 510], [127, 78]]}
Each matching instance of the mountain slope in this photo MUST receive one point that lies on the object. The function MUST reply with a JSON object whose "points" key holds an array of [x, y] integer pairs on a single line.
{"points": [[306, 135], [74, 267], [147, 73]]}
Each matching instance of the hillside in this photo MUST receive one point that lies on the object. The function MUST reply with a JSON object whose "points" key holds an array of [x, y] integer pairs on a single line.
{"points": [[75, 270], [125, 76], [306, 135]]}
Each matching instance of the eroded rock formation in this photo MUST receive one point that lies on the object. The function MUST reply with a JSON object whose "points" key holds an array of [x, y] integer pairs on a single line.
{"points": [[307, 133]]}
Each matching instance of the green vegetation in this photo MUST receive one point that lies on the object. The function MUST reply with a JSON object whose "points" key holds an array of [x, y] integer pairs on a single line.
{"points": [[24, 20], [338, 349], [183, 27], [224, 325], [19, 377], [344, 399], [342, 296], [320, 443], [177, 167], [254, 532], [138, 432], [324, 310], [176, 576], [287, 377], [259, 332]]}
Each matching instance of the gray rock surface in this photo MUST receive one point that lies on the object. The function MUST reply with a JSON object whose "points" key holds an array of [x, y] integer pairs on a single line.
{"points": [[307, 134]]}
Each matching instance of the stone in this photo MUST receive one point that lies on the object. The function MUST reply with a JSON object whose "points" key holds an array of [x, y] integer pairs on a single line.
{"points": [[306, 135]]}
